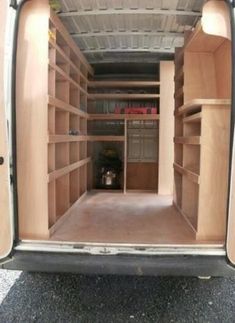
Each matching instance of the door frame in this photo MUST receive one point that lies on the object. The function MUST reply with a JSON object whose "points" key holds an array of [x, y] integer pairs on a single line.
{"points": [[6, 212], [11, 214], [10, 10], [230, 238]]}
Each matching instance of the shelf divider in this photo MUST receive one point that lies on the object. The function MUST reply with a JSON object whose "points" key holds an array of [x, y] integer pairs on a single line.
{"points": [[67, 169]]}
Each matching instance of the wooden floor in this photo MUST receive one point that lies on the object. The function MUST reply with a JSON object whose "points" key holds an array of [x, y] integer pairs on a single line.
{"points": [[125, 218]]}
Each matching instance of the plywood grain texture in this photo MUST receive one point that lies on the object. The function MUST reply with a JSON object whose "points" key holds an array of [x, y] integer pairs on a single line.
{"points": [[213, 173], [142, 176], [136, 218], [166, 129], [32, 122]]}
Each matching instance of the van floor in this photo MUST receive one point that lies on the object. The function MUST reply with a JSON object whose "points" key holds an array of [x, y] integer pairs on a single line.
{"points": [[138, 218]]}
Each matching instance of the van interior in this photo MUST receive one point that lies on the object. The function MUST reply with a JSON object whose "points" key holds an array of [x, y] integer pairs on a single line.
{"points": [[123, 122]]}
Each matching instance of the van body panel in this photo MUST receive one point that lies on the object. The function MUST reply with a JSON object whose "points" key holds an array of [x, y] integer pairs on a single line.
{"points": [[122, 264]]}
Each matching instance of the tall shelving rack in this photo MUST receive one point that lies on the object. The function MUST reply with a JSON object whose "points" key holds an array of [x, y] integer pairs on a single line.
{"points": [[202, 109], [67, 122], [54, 116], [128, 88]]}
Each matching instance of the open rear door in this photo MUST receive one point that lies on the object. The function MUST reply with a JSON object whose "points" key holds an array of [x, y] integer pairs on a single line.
{"points": [[221, 16], [6, 214], [231, 209]]}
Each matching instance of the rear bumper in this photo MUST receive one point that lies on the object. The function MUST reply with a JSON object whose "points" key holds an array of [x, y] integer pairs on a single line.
{"points": [[121, 264]]}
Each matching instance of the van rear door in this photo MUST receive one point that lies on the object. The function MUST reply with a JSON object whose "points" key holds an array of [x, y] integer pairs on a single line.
{"points": [[6, 214], [230, 245]]}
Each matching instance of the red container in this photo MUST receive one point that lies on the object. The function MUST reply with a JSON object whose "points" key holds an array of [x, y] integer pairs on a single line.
{"points": [[136, 110]]}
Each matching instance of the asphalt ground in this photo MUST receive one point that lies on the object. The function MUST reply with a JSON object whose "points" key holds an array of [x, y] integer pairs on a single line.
{"points": [[37, 297]]}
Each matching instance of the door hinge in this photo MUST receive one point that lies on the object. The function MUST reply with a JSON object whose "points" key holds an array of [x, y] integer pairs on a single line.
{"points": [[232, 2], [11, 179], [13, 4]]}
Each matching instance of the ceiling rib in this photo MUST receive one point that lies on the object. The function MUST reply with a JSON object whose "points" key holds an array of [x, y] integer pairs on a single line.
{"points": [[126, 33], [133, 50], [123, 11]]}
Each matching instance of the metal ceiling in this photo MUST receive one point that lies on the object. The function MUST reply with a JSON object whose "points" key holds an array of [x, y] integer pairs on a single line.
{"points": [[129, 30]]}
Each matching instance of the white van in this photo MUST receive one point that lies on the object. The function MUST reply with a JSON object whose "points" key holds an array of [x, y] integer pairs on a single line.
{"points": [[117, 137]]}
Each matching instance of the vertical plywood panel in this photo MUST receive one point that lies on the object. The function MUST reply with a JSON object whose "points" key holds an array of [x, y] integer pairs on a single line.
{"points": [[223, 69], [213, 172], [32, 119], [125, 158], [142, 176], [166, 131], [199, 76]]}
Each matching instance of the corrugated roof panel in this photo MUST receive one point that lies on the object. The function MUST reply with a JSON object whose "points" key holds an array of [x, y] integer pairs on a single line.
{"points": [[169, 4], [103, 26]]}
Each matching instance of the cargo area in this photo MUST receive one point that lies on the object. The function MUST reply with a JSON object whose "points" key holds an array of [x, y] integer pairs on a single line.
{"points": [[123, 123], [127, 218]]}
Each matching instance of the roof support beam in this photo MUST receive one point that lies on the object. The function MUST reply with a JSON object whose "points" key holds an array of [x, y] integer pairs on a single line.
{"points": [[127, 33], [138, 11], [133, 50]]}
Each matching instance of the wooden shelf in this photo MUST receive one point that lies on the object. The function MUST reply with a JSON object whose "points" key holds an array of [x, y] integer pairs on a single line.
{"points": [[53, 139], [196, 104], [69, 40], [202, 118], [106, 138], [122, 96], [67, 214], [189, 174], [192, 225], [123, 84], [67, 59], [67, 169], [192, 140], [113, 116], [66, 107], [66, 77], [193, 118]]}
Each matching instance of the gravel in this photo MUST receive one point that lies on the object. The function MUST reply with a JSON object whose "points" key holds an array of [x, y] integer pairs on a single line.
{"points": [[34, 297]]}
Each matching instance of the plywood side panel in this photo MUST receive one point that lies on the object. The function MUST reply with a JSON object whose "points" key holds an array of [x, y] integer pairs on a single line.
{"points": [[216, 18], [190, 201], [32, 119], [213, 173], [142, 176], [223, 69], [166, 129], [199, 76]]}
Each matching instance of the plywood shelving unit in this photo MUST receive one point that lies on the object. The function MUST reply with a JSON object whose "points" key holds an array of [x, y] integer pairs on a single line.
{"points": [[67, 120], [112, 116], [202, 114], [55, 118], [112, 88], [123, 96]]}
